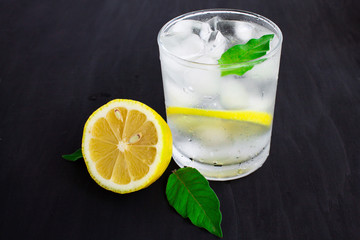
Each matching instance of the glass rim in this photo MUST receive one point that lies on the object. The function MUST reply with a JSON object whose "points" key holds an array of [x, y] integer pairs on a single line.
{"points": [[222, 10]]}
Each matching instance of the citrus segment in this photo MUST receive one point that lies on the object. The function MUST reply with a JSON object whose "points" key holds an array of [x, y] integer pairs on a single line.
{"points": [[147, 154], [137, 119], [105, 165], [102, 130], [100, 148], [149, 135], [137, 168], [116, 119], [126, 145], [121, 174]]}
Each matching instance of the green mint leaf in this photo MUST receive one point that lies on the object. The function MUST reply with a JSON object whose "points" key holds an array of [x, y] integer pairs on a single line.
{"points": [[239, 55], [191, 196], [74, 156]]}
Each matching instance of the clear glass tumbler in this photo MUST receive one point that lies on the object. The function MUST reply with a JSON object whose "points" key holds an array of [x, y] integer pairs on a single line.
{"points": [[220, 113]]}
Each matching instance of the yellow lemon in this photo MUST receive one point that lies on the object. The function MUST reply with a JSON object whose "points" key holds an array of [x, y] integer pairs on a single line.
{"points": [[126, 146]]}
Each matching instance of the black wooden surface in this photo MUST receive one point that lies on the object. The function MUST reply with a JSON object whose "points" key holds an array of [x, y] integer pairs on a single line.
{"points": [[60, 60]]}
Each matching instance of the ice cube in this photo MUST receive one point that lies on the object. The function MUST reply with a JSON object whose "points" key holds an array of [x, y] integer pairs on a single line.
{"points": [[175, 95], [265, 71], [227, 29], [237, 32], [233, 94], [186, 48], [171, 68], [261, 104], [212, 134], [186, 27], [205, 31], [243, 31], [260, 31], [183, 27], [202, 81], [213, 22], [216, 45], [191, 46], [171, 42]]}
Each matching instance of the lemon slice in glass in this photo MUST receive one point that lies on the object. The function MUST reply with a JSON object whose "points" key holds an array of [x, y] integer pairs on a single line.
{"points": [[261, 118], [126, 146]]}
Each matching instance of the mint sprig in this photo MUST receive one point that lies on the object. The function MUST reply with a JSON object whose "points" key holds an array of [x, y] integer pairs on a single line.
{"points": [[236, 59], [73, 156], [191, 196]]}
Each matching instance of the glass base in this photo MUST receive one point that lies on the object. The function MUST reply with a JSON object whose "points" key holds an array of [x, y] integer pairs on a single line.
{"points": [[226, 172]]}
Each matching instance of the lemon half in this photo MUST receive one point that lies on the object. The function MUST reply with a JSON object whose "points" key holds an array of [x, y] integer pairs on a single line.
{"points": [[126, 146]]}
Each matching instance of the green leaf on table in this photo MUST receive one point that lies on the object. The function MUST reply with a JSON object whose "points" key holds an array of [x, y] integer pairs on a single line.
{"points": [[73, 156], [236, 59], [191, 196]]}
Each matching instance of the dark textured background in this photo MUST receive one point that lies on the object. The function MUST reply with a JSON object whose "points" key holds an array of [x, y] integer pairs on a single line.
{"points": [[60, 60]]}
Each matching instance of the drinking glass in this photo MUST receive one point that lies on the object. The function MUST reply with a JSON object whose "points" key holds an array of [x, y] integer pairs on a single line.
{"points": [[221, 121]]}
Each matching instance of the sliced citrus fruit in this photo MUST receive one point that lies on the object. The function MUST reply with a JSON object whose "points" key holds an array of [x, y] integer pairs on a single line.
{"points": [[126, 146], [218, 127], [261, 118]]}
